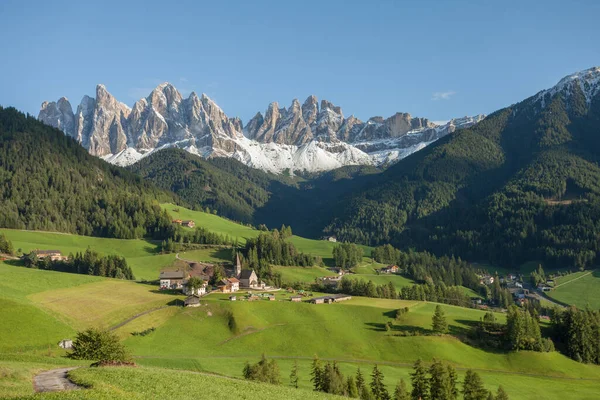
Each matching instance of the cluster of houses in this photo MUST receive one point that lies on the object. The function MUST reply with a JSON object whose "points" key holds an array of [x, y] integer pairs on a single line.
{"points": [[187, 222], [52, 255], [333, 298], [178, 280], [332, 239]]}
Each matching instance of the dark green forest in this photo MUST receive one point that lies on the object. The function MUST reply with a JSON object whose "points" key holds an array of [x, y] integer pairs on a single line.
{"points": [[524, 184], [221, 184], [49, 182]]}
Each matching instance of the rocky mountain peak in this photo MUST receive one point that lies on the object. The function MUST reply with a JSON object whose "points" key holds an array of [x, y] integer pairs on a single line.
{"points": [[312, 136]]}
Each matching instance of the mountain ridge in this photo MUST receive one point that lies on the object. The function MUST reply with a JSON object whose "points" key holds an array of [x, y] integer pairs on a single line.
{"points": [[310, 137]]}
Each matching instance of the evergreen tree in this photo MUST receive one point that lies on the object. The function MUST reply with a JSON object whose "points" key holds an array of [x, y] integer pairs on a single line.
{"points": [[439, 323], [401, 392], [377, 387], [439, 381], [316, 374], [351, 388], [294, 375], [473, 387], [501, 394], [420, 382], [452, 382]]}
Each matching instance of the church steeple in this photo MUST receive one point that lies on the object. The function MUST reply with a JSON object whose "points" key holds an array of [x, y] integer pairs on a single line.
{"points": [[238, 265]]}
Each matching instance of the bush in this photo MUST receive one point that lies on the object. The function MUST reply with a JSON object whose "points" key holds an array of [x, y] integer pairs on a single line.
{"points": [[263, 371], [98, 345]]}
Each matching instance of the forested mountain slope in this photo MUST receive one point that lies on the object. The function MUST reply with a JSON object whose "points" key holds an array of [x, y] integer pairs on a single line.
{"points": [[521, 185], [49, 182], [221, 184]]}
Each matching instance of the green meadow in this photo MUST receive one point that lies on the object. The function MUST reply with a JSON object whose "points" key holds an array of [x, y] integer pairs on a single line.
{"points": [[214, 223], [218, 337], [579, 289]]}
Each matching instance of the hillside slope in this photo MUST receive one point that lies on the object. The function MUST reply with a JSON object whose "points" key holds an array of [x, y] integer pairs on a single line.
{"points": [[221, 184], [49, 182], [521, 185]]}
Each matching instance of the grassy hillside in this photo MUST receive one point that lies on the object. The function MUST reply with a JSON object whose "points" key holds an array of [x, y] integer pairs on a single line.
{"points": [[141, 255], [579, 289], [224, 226], [220, 336]]}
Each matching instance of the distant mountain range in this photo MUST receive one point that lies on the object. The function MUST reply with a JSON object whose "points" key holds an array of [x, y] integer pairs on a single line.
{"points": [[311, 137]]}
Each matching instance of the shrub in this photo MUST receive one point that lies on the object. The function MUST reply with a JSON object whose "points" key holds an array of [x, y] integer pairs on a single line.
{"points": [[98, 345]]}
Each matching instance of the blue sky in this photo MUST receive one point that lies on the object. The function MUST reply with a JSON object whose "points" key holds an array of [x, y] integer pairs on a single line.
{"points": [[434, 59]]}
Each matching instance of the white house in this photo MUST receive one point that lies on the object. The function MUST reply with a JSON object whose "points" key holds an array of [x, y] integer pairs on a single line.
{"points": [[200, 291], [171, 279]]}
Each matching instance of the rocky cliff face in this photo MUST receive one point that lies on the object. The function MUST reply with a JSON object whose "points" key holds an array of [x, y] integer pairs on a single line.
{"points": [[311, 136]]}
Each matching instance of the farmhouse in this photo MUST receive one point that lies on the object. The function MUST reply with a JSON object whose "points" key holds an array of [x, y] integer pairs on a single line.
{"points": [[177, 221], [192, 301], [171, 279], [189, 223], [296, 299], [66, 344], [229, 285], [53, 255], [330, 299], [332, 239], [390, 269], [199, 291]]}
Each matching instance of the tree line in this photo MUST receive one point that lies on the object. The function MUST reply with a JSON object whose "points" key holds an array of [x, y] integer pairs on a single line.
{"points": [[88, 263], [439, 381], [426, 267]]}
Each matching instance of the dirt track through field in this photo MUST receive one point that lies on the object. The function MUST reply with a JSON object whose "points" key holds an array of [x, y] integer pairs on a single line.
{"points": [[128, 320], [55, 380], [573, 280]]}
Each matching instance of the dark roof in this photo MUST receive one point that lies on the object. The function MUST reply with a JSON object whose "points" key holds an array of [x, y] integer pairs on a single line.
{"points": [[246, 273], [192, 300], [171, 275]]}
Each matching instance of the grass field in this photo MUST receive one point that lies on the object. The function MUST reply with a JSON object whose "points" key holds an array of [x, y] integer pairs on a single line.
{"points": [[214, 223], [142, 256], [220, 336], [580, 289]]}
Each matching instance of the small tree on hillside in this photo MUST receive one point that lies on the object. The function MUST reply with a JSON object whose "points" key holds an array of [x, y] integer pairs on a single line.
{"points": [[6, 245], [401, 392], [316, 374], [351, 389], [501, 394], [98, 345], [439, 320], [194, 283], [263, 371], [420, 382], [377, 387], [294, 375], [473, 387]]}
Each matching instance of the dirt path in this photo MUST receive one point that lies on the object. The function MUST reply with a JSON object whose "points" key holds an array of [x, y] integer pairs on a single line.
{"points": [[573, 280], [55, 380], [128, 320]]}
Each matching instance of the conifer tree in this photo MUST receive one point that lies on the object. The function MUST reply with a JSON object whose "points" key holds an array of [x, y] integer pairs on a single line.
{"points": [[351, 389], [377, 387], [439, 381], [316, 374], [439, 323], [473, 387], [401, 392], [501, 394], [452, 382], [294, 375], [420, 382]]}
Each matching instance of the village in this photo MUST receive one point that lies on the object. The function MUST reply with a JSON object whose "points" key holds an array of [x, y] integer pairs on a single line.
{"points": [[241, 285]]}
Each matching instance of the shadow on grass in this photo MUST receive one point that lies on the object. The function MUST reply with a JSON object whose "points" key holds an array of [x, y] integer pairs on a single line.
{"points": [[14, 263]]}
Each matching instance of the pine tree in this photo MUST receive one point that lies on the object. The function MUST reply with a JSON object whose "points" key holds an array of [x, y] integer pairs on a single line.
{"points": [[351, 389], [420, 383], [452, 382], [473, 387], [294, 375], [439, 382], [316, 374], [401, 392], [363, 390], [501, 394], [377, 387], [439, 323]]}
